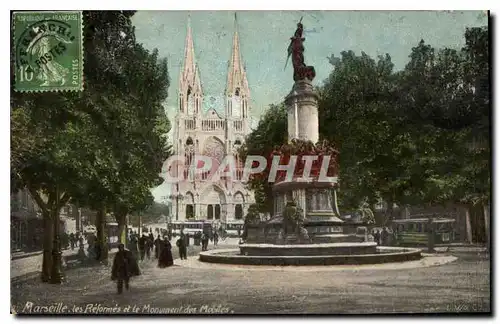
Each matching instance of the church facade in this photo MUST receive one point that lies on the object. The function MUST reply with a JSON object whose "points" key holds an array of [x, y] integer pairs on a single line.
{"points": [[199, 131]]}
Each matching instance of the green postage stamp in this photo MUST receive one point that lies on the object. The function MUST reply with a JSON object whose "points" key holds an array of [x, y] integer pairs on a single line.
{"points": [[48, 51]]}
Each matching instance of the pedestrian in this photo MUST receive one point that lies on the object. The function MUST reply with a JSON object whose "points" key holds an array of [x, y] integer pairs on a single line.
{"points": [[72, 241], [142, 246], [132, 245], [81, 242], [376, 237], [384, 236], [165, 259], [149, 246], [204, 242], [216, 238], [158, 243], [92, 249], [124, 267], [181, 244], [152, 239]]}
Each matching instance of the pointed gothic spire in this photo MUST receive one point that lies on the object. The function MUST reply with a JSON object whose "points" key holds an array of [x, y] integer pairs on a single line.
{"points": [[189, 81], [236, 77], [189, 61]]}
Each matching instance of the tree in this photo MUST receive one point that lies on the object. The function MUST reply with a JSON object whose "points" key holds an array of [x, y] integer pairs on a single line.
{"points": [[253, 214], [271, 131], [94, 146], [144, 137], [447, 93], [356, 113], [414, 137], [156, 213]]}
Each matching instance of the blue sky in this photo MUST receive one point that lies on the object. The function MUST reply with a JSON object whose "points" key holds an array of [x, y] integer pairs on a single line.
{"points": [[264, 38]]}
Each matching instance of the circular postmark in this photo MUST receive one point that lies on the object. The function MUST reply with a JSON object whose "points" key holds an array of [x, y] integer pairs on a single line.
{"points": [[41, 52]]}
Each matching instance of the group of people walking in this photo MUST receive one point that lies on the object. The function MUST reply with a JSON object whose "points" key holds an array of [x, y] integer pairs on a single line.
{"points": [[126, 265], [146, 246], [205, 238], [381, 237], [75, 240]]}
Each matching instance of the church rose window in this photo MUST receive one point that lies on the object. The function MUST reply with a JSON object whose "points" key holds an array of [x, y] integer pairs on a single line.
{"points": [[214, 149]]}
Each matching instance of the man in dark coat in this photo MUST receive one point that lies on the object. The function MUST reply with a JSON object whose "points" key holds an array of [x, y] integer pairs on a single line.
{"points": [[204, 242], [124, 267], [149, 246], [165, 259], [216, 238], [181, 244], [151, 241], [376, 237], [158, 246], [72, 240], [384, 236], [142, 245], [132, 245]]}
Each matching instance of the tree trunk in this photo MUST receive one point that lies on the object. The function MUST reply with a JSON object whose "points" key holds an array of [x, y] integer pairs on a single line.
{"points": [[486, 211], [468, 227], [388, 213], [122, 234], [48, 239], [101, 244], [140, 224], [56, 274]]}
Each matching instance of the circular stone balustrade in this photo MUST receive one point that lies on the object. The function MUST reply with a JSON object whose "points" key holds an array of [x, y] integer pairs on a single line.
{"points": [[381, 254]]}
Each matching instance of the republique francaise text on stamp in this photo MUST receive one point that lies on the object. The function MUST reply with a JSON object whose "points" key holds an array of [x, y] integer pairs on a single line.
{"points": [[48, 51]]}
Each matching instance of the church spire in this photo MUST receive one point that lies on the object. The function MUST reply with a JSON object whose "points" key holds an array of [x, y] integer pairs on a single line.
{"points": [[189, 60], [236, 77], [237, 84], [190, 92]]}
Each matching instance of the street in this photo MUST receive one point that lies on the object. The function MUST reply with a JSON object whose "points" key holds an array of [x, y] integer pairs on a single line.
{"points": [[460, 286]]}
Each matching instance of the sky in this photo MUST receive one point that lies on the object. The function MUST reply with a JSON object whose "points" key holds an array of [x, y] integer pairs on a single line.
{"points": [[265, 35]]}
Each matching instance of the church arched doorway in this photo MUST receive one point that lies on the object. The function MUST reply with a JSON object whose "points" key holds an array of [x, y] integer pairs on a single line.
{"points": [[238, 211], [212, 203], [239, 201], [210, 211]]}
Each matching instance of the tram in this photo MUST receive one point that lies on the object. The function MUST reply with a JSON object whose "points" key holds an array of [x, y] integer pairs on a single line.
{"points": [[234, 228], [415, 231], [190, 227]]}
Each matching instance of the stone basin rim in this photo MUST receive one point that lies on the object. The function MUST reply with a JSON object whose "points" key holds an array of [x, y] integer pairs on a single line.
{"points": [[219, 254], [307, 246]]}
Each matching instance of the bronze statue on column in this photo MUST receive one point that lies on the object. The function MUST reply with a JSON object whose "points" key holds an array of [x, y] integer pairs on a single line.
{"points": [[296, 49]]}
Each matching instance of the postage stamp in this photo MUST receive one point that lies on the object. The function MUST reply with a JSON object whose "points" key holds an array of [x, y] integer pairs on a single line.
{"points": [[48, 51]]}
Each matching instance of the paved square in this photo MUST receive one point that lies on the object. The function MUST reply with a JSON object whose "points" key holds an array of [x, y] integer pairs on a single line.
{"points": [[460, 286]]}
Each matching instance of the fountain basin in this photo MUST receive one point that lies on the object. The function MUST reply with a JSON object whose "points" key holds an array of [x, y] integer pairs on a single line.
{"points": [[383, 254], [320, 249]]}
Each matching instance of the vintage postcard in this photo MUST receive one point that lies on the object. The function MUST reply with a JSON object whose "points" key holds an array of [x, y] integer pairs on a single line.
{"points": [[250, 162]]}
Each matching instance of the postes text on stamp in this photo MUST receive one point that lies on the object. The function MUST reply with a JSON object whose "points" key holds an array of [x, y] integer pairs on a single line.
{"points": [[48, 51]]}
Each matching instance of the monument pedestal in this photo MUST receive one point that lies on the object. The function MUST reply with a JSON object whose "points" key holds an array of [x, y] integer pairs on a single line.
{"points": [[302, 108]]}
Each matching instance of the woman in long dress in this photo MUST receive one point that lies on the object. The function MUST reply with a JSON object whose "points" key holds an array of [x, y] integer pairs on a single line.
{"points": [[166, 259]]}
